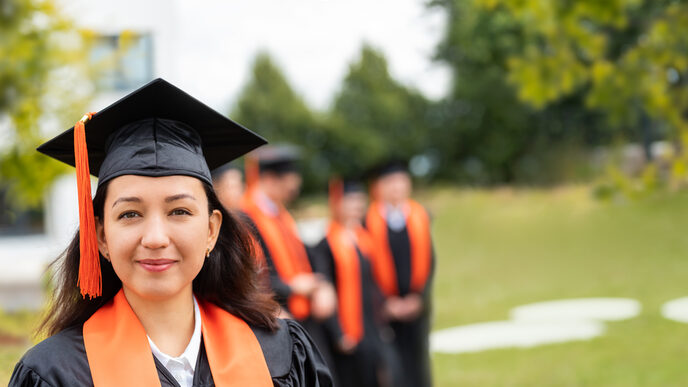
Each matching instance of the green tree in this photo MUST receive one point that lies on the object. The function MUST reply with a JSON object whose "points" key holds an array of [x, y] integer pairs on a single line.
{"points": [[500, 124], [269, 106], [375, 117], [40, 82], [625, 61], [629, 57]]}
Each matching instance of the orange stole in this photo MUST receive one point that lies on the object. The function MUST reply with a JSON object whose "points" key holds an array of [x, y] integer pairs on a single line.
{"points": [[348, 274], [119, 354], [286, 250], [418, 227]]}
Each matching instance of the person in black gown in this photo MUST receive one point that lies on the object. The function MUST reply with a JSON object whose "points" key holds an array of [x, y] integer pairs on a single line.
{"points": [[362, 356], [299, 286], [159, 285], [404, 266]]}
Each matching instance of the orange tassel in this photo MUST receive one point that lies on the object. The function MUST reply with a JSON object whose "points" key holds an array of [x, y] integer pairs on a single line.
{"points": [[336, 192], [251, 172], [90, 278], [374, 190]]}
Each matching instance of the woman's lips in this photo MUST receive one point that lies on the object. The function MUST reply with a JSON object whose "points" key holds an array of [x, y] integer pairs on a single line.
{"points": [[156, 265]]}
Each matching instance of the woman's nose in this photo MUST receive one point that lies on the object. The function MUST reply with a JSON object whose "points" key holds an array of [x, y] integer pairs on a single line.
{"points": [[155, 235]]}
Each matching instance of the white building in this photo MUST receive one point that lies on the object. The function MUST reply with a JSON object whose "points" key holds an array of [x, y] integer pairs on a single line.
{"points": [[149, 28]]}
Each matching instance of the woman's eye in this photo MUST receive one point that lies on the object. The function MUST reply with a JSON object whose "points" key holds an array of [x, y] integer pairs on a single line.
{"points": [[180, 211], [128, 215]]}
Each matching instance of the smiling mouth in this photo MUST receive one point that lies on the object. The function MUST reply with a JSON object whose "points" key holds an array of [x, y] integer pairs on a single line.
{"points": [[156, 265]]}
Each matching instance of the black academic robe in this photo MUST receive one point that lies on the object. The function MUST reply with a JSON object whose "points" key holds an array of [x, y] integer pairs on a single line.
{"points": [[411, 338], [282, 292], [60, 360], [373, 355]]}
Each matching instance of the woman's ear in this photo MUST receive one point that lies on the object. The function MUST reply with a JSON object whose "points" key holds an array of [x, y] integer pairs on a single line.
{"points": [[102, 243], [214, 224]]}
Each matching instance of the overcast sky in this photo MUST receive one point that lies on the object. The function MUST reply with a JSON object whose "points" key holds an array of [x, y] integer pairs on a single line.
{"points": [[313, 41]]}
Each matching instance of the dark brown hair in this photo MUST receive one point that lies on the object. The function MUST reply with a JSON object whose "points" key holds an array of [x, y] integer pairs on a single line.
{"points": [[230, 277]]}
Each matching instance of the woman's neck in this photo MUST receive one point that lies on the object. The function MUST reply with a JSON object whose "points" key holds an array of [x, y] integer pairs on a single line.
{"points": [[169, 323]]}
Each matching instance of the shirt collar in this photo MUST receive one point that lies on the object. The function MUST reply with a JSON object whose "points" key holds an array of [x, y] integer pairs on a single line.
{"points": [[266, 204], [395, 215], [190, 354]]}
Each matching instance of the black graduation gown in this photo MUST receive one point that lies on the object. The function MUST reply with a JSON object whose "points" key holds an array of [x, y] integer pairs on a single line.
{"points": [[282, 292], [60, 360], [411, 339], [373, 354]]}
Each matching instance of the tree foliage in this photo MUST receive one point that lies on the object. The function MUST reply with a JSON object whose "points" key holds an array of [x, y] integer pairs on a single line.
{"points": [[39, 86], [270, 106], [629, 57], [532, 76], [487, 133], [372, 117]]}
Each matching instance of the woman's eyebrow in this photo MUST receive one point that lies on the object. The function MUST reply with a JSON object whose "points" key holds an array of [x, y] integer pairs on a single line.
{"points": [[127, 199], [178, 197]]}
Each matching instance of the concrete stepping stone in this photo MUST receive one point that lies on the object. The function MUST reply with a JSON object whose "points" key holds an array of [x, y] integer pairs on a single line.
{"points": [[512, 334], [676, 310], [600, 309], [540, 323]]}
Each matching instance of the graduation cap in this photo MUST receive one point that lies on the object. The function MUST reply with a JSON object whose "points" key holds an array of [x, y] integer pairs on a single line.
{"points": [[279, 159], [339, 187], [382, 169], [157, 130], [218, 172], [388, 167]]}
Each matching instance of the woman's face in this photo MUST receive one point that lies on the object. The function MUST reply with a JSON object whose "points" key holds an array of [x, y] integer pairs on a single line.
{"points": [[155, 231]]}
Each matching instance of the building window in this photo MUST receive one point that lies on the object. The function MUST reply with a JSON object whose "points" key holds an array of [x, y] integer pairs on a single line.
{"points": [[124, 61], [15, 222]]}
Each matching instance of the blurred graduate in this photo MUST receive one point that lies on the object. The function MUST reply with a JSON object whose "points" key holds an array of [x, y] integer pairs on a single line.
{"points": [[403, 268], [362, 357], [159, 285], [274, 180]]}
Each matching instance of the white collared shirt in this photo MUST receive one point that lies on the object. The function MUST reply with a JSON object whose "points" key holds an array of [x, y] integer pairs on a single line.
{"points": [[266, 204], [396, 217], [182, 367]]}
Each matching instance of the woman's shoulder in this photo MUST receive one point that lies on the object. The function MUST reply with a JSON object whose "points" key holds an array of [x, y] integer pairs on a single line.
{"points": [[58, 360], [292, 356]]}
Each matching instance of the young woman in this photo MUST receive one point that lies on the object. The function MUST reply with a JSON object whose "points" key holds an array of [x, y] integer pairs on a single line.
{"points": [[168, 293]]}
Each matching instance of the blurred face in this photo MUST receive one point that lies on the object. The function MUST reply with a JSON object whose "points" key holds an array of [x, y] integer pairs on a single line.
{"points": [[352, 207], [230, 188], [395, 187], [290, 185], [155, 231]]}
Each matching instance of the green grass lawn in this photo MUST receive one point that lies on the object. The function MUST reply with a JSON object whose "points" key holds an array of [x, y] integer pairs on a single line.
{"points": [[499, 249]]}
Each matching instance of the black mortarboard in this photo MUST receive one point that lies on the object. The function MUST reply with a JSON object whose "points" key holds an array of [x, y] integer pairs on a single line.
{"points": [[218, 172], [278, 159], [157, 130], [387, 168], [350, 185]]}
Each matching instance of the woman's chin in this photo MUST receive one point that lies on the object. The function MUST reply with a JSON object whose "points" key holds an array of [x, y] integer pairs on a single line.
{"points": [[151, 292]]}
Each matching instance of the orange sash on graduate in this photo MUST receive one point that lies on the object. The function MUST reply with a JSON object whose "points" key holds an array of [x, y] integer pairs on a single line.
{"points": [[286, 250], [418, 226], [348, 274], [119, 354]]}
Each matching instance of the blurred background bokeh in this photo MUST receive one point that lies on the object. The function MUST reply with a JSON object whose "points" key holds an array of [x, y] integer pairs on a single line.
{"points": [[547, 138]]}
